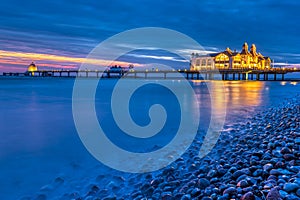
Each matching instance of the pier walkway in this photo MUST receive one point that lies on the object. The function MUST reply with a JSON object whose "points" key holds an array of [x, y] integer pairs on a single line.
{"points": [[222, 74]]}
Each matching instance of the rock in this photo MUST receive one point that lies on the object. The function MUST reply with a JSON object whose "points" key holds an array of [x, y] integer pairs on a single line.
{"points": [[291, 197], [275, 172], [166, 196], [298, 192], [257, 173], [203, 183], [285, 150], [288, 157], [110, 198], [248, 196], [242, 184], [268, 186], [279, 164], [290, 187], [195, 192], [273, 194], [206, 198], [212, 173], [238, 173], [283, 193], [186, 197], [268, 167], [230, 191]]}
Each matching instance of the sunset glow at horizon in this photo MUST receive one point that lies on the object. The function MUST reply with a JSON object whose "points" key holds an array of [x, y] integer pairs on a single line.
{"points": [[52, 61]]}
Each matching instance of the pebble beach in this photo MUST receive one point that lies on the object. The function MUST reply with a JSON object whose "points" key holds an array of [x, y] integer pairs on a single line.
{"points": [[254, 160]]}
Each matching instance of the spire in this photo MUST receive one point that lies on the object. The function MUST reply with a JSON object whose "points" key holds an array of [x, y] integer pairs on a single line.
{"points": [[245, 48], [253, 49]]}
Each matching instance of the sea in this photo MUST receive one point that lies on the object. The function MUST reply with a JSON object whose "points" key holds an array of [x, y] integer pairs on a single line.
{"points": [[39, 140]]}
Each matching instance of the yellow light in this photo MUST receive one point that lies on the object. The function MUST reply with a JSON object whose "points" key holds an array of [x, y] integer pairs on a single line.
{"points": [[293, 83], [282, 83]]}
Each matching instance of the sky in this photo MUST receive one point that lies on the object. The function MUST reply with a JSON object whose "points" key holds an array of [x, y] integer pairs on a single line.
{"points": [[60, 34]]}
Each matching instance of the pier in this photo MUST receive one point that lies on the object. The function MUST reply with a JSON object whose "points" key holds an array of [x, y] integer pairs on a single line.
{"points": [[275, 74]]}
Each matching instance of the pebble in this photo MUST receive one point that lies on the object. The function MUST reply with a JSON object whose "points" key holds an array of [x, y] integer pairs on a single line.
{"points": [[259, 159], [248, 196], [290, 187], [268, 167], [230, 191], [203, 183], [273, 194]]}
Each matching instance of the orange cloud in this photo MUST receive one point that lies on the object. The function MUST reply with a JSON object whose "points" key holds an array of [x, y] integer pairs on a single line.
{"points": [[53, 61]]}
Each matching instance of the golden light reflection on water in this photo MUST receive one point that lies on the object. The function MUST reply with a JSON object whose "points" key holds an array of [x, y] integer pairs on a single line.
{"points": [[244, 93], [283, 83], [294, 83], [237, 93]]}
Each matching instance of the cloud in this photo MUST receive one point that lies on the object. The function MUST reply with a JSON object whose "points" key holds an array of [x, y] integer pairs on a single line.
{"points": [[169, 58]]}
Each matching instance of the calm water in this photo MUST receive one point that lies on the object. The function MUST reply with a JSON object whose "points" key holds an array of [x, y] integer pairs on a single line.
{"points": [[39, 140]]}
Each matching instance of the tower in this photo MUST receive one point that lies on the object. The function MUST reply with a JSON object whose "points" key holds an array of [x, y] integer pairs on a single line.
{"points": [[245, 48], [253, 49]]}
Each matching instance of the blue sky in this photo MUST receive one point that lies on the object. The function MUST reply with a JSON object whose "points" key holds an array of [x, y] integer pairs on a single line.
{"points": [[74, 28]]}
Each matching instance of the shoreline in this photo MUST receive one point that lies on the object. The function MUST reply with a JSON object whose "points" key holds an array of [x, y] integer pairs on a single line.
{"points": [[262, 163]]}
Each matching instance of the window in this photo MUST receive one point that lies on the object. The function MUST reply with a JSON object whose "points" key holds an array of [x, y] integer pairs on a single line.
{"points": [[209, 62]]}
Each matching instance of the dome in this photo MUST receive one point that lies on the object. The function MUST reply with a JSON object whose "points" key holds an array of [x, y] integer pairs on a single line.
{"points": [[32, 67]]}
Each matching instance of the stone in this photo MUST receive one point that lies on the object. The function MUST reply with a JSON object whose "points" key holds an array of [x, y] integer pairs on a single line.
{"points": [[288, 156], [283, 193], [203, 183], [248, 196], [267, 167], [275, 172], [195, 192], [290, 187], [230, 191], [238, 173], [212, 173], [298, 192], [279, 164], [273, 194], [166, 196], [242, 184], [285, 150], [186, 197], [110, 198], [258, 172]]}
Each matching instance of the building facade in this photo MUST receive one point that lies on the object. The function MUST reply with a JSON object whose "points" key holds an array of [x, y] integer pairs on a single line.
{"points": [[229, 59]]}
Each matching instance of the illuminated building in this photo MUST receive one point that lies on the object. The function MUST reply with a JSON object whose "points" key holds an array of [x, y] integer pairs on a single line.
{"points": [[32, 68], [229, 59]]}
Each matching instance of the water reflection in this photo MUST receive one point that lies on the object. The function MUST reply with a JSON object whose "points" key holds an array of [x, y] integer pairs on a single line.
{"points": [[244, 93], [237, 93]]}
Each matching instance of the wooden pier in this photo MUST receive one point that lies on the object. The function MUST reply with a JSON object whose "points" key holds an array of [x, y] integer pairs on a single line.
{"points": [[222, 74]]}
